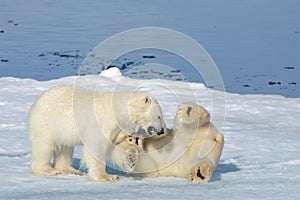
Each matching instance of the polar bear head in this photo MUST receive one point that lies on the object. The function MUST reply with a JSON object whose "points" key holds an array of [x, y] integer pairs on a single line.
{"points": [[192, 115], [145, 111], [125, 153]]}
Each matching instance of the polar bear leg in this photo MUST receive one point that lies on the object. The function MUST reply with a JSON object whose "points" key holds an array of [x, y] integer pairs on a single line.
{"points": [[201, 173], [42, 153], [63, 161], [96, 168]]}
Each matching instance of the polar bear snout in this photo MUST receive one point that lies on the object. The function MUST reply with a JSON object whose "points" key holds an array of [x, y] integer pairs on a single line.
{"points": [[157, 124], [151, 130], [146, 112]]}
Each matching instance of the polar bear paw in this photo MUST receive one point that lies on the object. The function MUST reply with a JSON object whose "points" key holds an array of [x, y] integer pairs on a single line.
{"points": [[201, 174], [69, 170], [219, 138], [132, 159], [130, 162], [106, 178], [47, 171]]}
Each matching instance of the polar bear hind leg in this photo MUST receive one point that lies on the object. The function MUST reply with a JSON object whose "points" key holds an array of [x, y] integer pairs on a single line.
{"points": [[42, 153], [201, 173], [63, 161]]}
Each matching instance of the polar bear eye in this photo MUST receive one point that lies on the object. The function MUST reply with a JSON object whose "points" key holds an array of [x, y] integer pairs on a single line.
{"points": [[188, 112]]}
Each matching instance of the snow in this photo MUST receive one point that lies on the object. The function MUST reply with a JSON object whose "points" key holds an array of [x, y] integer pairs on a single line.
{"points": [[112, 72], [260, 158]]}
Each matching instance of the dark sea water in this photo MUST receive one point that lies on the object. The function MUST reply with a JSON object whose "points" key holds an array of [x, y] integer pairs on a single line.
{"points": [[255, 44]]}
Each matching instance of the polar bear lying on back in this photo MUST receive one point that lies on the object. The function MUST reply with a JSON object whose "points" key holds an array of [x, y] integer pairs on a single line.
{"points": [[191, 150], [66, 116]]}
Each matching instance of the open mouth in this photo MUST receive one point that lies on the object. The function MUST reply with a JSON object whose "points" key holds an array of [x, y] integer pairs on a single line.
{"points": [[151, 130], [161, 132]]}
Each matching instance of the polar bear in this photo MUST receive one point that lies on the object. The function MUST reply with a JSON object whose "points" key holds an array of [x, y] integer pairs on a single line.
{"points": [[66, 116], [191, 150]]}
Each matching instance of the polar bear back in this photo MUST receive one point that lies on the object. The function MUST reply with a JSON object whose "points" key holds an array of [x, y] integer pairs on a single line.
{"points": [[59, 113], [51, 116]]}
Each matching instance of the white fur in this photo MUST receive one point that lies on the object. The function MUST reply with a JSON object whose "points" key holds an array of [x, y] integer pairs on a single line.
{"points": [[192, 150], [66, 116]]}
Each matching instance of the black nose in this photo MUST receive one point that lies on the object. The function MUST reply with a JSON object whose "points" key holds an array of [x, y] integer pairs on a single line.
{"points": [[150, 130], [161, 132]]}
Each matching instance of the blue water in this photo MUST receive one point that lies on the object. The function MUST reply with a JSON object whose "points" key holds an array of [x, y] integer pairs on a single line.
{"points": [[255, 44]]}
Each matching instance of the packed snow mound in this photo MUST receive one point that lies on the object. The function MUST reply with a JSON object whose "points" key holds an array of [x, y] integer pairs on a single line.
{"points": [[260, 158], [112, 72]]}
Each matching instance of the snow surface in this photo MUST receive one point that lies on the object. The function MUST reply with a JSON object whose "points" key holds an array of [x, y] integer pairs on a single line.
{"points": [[260, 159]]}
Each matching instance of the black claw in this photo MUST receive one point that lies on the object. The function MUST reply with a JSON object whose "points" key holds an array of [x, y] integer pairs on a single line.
{"points": [[200, 175]]}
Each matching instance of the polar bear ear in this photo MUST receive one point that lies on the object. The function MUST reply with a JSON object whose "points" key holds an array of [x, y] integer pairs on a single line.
{"points": [[205, 116]]}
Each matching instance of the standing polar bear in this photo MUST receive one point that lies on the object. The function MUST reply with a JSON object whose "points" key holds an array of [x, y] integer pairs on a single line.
{"points": [[66, 116], [191, 150]]}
